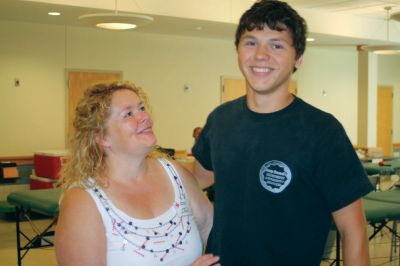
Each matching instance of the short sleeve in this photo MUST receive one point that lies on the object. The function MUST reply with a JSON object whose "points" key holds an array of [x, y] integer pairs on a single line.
{"points": [[201, 148], [339, 173]]}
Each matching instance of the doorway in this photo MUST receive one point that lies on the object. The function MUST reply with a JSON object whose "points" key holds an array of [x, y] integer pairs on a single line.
{"points": [[385, 120], [232, 88], [78, 82]]}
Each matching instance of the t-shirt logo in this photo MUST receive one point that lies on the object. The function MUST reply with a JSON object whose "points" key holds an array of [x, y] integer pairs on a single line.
{"points": [[275, 176]]}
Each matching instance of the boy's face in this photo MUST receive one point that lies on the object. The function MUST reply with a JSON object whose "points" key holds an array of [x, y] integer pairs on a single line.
{"points": [[267, 58]]}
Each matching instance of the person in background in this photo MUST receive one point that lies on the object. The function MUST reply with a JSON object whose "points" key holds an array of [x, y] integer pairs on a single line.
{"points": [[196, 132], [283, 169], [122, 205]]}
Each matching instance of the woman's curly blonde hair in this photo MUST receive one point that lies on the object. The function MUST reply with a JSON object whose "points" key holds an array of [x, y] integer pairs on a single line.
{"points": [[86, 155]]}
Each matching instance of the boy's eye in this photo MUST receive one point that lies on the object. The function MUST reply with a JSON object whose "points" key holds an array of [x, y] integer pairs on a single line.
{"points": [[249, 43], [142, 108], [277, 46]]}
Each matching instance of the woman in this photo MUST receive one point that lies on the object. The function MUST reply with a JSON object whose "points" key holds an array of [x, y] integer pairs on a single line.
{"points": [[121, 205]]}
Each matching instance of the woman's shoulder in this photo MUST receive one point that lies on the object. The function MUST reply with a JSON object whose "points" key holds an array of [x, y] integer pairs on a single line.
{"points": [[158, 162], [75, 195]]}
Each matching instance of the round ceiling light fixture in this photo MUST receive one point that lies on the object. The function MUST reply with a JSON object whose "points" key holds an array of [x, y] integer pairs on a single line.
{"points": [[395, 16], [116, 21], [389, 49], [382, 49]]}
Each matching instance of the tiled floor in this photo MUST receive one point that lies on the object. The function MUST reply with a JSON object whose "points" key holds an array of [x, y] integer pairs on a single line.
{"points": [[379, 250], [379, 247], [8, 251]]}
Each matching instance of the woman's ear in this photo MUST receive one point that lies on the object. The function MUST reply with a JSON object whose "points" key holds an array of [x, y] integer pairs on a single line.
{"points": [[102, 140]]}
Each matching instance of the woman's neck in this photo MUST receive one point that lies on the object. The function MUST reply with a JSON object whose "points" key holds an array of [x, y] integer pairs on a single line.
{"points": [[124, 169]]}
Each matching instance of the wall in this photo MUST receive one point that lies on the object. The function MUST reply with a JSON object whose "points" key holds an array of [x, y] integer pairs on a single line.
{"points": [[328, 80], [162, 65], [33, 115]]}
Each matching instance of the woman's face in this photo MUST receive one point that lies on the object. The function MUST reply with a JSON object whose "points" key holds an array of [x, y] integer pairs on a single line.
{"points": [[129, 128]]}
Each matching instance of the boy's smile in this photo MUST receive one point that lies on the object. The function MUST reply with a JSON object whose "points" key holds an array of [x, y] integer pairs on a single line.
{"points": [[267, 59]]}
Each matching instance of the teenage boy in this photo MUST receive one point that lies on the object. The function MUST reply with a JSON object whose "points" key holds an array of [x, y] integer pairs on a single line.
{"points": [[283, 169]]}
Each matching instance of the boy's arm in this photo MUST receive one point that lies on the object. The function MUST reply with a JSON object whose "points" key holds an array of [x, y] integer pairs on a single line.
{"points": [[204, 177], [350, 221]]}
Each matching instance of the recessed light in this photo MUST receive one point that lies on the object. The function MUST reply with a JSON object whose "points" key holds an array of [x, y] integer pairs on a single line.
{"points": [[382, 49], [54, 13], [310, 39]]}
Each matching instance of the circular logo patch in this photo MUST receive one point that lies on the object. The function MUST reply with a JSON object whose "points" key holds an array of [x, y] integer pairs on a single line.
{"points": [[275, 176]]}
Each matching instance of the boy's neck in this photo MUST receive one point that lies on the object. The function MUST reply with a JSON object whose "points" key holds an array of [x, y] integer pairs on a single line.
{"points": [[268, 103]]}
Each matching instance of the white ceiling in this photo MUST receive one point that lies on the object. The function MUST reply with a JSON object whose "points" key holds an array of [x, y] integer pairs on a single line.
{"points": [[31, 11], [366, 8]]}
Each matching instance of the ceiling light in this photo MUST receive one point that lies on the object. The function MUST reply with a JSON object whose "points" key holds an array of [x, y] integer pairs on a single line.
{"points": [[384, 49], [309, 39], [54, 13], [115, 21], [395, 16]]}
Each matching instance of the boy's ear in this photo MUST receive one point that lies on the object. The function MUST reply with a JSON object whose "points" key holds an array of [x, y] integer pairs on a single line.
{"points": [[299, 61]]}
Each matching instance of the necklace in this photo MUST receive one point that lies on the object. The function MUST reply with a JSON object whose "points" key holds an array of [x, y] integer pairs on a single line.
{"points": [[160, 236]]}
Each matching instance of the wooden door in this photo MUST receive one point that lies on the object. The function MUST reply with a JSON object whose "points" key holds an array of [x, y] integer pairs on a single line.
{"points": [[233, 88], [293, 87], [78, 82], [385, 120]]}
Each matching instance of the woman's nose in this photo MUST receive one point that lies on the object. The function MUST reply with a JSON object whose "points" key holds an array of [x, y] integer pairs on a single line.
{"points": [[144, 117]]}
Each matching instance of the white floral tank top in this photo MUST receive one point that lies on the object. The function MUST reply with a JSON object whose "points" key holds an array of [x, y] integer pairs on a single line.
{"points": [[171, 239]]}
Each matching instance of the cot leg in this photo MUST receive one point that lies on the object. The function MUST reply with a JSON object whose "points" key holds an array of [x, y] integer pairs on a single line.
{"points": [[378, 183], [395, 236], [337, 247], [17, 224], [377, 228], [393, 248]]}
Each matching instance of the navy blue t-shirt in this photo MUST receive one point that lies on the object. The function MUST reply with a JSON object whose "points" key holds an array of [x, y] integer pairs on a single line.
{"points": [[278, 178]]}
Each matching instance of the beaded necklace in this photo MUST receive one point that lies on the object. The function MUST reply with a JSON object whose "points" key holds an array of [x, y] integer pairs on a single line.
{"points": [[159, 236]]}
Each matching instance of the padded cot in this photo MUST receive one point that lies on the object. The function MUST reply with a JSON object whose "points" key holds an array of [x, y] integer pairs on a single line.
{"points": [[378, 214], [390, 196], [6, 207], [388, 168], [375, 170], [43, 201]]}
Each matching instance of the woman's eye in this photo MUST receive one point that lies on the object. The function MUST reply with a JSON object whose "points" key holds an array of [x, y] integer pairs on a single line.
{"points": [[142, 108], [128, 114]]}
